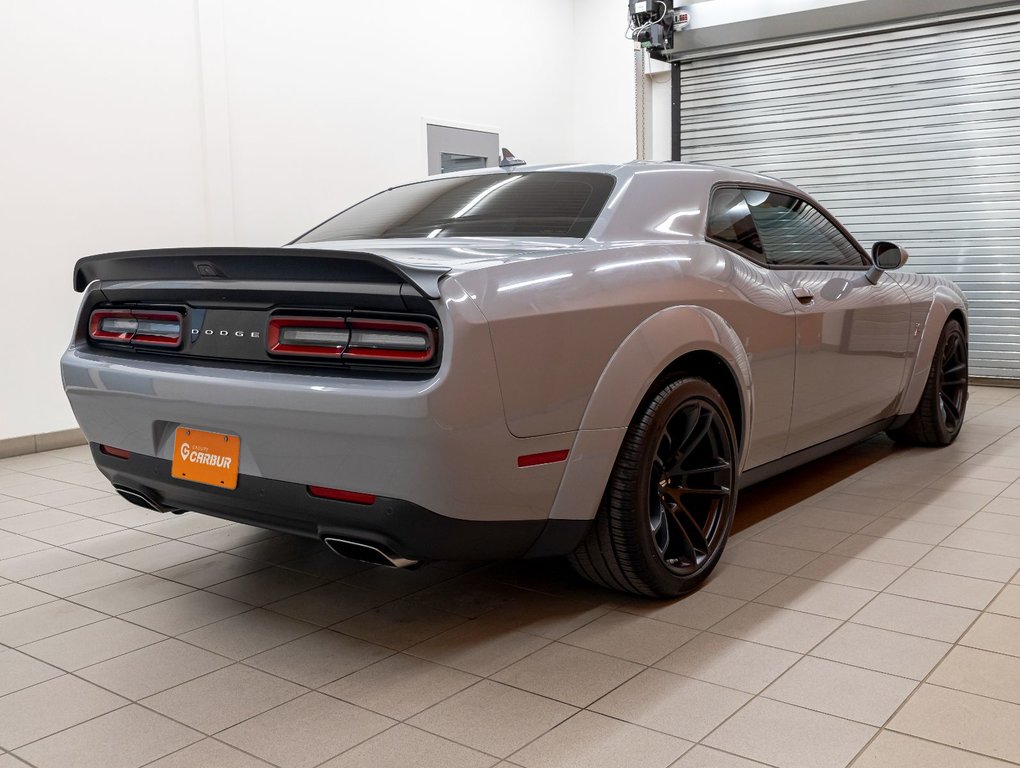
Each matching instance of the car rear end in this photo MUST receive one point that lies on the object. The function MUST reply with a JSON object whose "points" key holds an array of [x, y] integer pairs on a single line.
{"points": [[325, 393]]}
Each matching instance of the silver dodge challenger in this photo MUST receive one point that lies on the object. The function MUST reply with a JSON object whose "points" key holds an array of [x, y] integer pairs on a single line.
{"points": [[580, 360]]}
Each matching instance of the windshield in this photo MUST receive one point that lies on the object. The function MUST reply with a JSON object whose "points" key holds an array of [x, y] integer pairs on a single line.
{"points": [[535, 204]]}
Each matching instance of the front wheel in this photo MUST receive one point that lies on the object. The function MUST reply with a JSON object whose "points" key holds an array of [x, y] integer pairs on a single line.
{"points": [[939, 415], [669, 503]]}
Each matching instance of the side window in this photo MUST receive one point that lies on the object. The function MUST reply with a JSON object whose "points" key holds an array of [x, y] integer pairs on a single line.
{"points": [[730, 222], [795, 233]]}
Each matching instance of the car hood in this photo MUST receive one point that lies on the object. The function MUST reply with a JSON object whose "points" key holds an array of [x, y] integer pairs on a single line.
{"points": [[455, 254]]}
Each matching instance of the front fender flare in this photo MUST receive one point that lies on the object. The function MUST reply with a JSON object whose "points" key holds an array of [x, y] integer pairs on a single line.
{"points": [[642, 357], [944, 302]]}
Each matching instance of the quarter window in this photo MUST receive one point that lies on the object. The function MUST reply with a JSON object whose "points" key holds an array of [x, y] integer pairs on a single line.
{"points": [[730, 222], [795, 233]]}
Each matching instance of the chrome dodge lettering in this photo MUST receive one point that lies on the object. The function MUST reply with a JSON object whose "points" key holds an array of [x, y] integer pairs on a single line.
{"points": [[241, 334]]}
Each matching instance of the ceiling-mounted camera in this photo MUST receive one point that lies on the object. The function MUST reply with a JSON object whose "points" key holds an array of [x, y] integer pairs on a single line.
{"points": [[654, 22]]}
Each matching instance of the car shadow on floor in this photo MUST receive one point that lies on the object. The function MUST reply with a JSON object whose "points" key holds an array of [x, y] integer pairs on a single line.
{"points": [[761, 501]]}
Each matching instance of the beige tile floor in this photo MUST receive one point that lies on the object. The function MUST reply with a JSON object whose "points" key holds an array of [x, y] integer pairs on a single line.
{"points": [[867, 613]]}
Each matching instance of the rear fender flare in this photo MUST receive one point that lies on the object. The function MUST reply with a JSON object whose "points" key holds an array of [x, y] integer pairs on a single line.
{"points": [[632, 370]]}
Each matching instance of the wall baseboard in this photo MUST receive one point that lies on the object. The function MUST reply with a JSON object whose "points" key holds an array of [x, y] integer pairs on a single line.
{"points": [[50, 441]]}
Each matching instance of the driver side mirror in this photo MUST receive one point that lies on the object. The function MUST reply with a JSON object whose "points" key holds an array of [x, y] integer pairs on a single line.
{"points": [[885, 255]]}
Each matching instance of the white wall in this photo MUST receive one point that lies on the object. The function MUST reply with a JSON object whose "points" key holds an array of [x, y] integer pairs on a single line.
{"points": [[127, 124], [710, 13]]}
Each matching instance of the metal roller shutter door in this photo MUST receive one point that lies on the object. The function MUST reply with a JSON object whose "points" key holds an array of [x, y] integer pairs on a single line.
{"points": [[908, 134]]}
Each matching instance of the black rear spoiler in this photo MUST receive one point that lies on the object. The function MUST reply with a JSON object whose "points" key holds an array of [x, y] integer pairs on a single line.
{"points": [[292, 264]]}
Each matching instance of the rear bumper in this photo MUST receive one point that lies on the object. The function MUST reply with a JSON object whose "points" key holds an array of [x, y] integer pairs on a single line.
{"points": [[399, 527]]}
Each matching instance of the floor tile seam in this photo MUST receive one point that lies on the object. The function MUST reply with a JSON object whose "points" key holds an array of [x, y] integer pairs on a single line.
{"points": [[148, 644], [846, 535], [975, 693], [547, 643], [75, 483], [957, 747], [813, 655], [305, 690], [883, 562], [703, 741], [601, 696], [714, 683], [210, 738], [929, 569], [991, 530], [404, 720], [14, 750], [691, 744], [385, 730], [817, 555], [4, 521], [940, 602], [975, 551], [803, 655], [103, 617], [217, 734], [921, 683], [100, 535], [64, 549], [84, 591], [475, 684]]}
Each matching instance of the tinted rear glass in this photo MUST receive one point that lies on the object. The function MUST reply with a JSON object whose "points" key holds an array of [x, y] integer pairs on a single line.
{"points": [[536, 204]]}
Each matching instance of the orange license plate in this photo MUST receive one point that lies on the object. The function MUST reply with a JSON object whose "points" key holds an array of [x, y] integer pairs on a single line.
{"points": [[206, 457]]}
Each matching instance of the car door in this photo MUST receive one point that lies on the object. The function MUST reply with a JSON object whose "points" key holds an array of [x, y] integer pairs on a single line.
{"points": [[852, 335], [763, 318]]}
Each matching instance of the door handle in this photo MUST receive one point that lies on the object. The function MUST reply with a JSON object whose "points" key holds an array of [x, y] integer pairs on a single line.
{"points": [[802, 294]]}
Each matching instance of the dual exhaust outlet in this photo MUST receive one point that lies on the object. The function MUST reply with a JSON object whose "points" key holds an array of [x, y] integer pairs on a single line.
{"points": [[353, 550], [367, 553]]}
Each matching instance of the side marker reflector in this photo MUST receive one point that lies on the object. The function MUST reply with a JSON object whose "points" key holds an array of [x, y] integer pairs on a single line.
{"points": [[119, 453], [335, 494], [534, 459]]}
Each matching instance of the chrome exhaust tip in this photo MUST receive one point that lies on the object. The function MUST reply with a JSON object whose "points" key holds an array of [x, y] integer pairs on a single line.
{"points": [[367, 553], [142, 500]]}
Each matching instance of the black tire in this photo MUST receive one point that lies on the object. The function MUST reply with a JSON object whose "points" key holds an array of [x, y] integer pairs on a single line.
{"points": [[939, 415], [676, 474]]}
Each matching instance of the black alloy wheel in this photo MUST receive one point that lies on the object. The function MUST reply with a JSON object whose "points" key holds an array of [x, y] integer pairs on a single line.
{"points": [[669, 503], [953, 381], [691, 486]]}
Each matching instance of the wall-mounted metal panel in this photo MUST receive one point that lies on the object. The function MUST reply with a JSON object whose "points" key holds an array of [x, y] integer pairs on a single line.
{"points": [[911, 135]]}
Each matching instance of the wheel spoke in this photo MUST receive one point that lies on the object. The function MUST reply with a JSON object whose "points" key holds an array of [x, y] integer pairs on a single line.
{"points": [[954, 369], [721, 491], [720, 466], [950, 406], [692, 530], [690, 540]]}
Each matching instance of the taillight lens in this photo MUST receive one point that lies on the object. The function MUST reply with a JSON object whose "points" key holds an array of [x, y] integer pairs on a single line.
{"points": [[130, 326], [396, 340], [399, 341], [307, 336]]}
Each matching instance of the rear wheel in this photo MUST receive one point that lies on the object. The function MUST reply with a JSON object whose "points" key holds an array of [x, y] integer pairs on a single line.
{"points": [[669, 503], [939, 415]]}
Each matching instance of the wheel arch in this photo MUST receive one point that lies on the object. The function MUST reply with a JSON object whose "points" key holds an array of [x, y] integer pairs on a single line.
{"points": [[687, 339], [947, 304]]}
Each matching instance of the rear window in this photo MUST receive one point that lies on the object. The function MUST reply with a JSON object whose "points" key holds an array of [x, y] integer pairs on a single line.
{"points": [[535, 204]]}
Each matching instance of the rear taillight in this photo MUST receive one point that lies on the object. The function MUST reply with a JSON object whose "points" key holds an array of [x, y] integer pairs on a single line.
{"points": [[397, 341], [307, 336], [130, 326]]}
